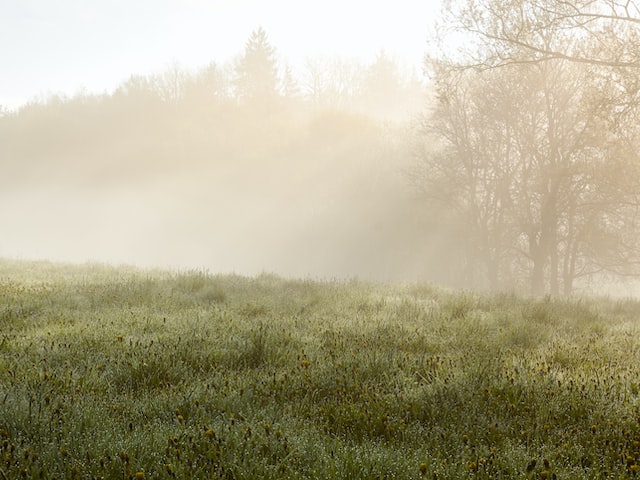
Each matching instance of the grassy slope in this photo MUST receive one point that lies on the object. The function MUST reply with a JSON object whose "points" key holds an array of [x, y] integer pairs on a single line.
{"points": [[114, 373]]}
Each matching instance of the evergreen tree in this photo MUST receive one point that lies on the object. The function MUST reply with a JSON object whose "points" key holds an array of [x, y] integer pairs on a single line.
{"points": [[257, 71], [290, 88]]}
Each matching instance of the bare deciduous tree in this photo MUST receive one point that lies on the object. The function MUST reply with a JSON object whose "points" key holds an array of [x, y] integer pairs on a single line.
{"points": [[596, 32], [537, 161]]}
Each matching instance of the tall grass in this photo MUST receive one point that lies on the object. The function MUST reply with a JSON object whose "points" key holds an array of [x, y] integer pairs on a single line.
{"points": [[118, 373]]}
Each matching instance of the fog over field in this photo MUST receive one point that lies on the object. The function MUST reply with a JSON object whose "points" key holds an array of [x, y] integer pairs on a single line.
{"points": [[127, 139], [296, 217], [395, 142]]}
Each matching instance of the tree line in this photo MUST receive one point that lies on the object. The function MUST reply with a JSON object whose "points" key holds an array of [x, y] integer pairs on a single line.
{"points": [[258, 75], [525, 158], [250, 164], [536, 121], [219, 107]]}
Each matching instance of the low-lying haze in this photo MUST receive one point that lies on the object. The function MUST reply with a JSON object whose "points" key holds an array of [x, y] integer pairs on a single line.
{"points": [[304, 139], [128, 138]]}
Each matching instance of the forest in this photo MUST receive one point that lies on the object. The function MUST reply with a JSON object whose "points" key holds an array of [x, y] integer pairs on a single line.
{"points": [[233, 167], [508, 163], [538, 126]]}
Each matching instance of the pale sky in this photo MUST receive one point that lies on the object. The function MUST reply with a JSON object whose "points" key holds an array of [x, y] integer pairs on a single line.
{"points": [[63, 46]]}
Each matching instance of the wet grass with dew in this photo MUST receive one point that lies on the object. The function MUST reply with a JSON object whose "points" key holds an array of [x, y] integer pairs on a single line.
{"points": [[117, 373]]}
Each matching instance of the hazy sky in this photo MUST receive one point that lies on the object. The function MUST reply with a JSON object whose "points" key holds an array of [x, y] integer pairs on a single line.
{"points": [[51, 46]]}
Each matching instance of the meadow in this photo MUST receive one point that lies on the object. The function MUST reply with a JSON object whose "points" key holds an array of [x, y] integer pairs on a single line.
{"points": [[119, 373]]}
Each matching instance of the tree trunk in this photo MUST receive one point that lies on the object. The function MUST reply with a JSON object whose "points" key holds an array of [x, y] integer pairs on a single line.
{"points": [[538, 259], [552, 246], [569, 269], [554, 283], [493, 274], [537, 277]]}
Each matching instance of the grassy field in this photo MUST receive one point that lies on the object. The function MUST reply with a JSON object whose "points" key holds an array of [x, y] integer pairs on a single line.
{"points": [[116, 373]]}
